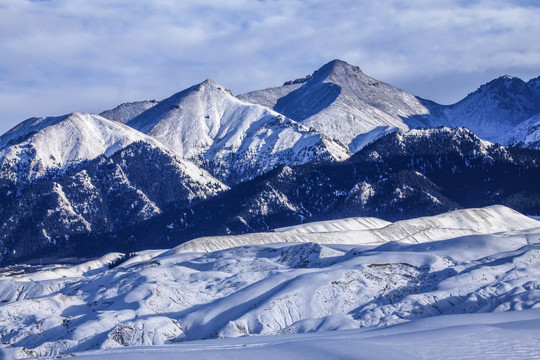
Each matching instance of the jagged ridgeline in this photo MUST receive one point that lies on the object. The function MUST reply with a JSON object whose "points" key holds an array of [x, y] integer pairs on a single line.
{"points": [[203, 162]]}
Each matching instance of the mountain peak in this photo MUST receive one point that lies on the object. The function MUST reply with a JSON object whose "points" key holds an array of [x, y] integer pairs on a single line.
{"points": [[211, 85], [342, 102], [127, 111], [209, 82], [534, 80], [534, 84], [337, 68], [57, 142], [337, 63], [506, 80], [503, 83]]}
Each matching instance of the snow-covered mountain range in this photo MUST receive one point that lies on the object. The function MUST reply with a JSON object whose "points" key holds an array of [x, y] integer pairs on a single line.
{"points": [[418, 173], [343, 102], [331, 276], [335, 143]]}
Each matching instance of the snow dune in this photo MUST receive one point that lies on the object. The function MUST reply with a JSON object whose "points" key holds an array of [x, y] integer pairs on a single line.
{"points": [[372, 231]]}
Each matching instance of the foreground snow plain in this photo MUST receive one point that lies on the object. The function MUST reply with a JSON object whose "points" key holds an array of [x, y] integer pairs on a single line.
{"points": [[465, 284], [504, 335]]}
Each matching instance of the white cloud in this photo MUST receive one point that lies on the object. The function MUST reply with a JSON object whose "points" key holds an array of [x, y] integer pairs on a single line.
{"points": [[59, 56]]}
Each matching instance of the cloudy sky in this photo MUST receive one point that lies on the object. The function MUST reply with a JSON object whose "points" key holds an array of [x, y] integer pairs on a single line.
{"points": [[59, 56]]}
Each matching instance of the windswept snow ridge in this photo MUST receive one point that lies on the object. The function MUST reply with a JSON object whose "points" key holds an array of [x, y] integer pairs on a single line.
{"points": [[282, 288], [372, 231]]}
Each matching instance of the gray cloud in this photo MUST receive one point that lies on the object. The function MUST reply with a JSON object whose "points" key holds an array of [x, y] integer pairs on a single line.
{"points": [[88, 55]]}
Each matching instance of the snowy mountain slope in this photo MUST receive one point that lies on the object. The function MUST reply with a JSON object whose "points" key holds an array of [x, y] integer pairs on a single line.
{"points": [[127, 111], [495, 108], [81, 173], [369, 231], [94, 197], [269, 97], [431, 141], [526, 134], [40, 144], [276, 289], [506, 335], [457, 162], [235, 140], [362, 140], [342, 102]]}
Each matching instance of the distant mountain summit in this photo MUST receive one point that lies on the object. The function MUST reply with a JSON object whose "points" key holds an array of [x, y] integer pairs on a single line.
{"points": [[496, 107], [344, 103]]}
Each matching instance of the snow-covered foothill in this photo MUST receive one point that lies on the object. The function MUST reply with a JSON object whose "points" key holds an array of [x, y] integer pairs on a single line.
{"points": [[371, 231]]}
